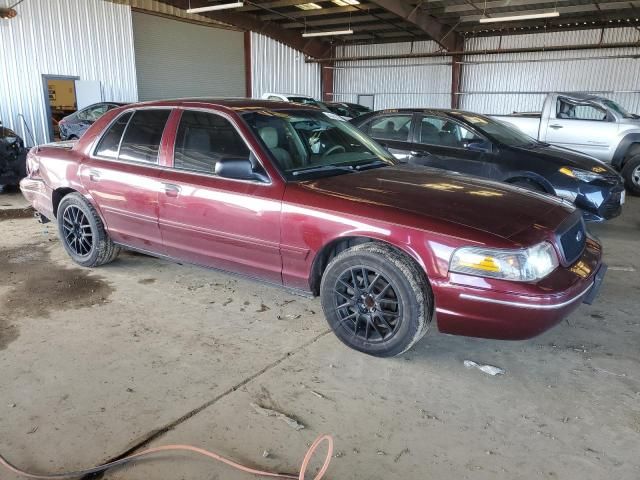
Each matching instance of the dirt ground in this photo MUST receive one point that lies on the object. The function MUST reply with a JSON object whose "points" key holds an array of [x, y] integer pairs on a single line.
{"points": [[142, 352]]}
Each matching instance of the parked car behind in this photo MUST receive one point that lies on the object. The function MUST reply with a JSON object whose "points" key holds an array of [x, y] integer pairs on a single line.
{"points": [[477, 145], [290, 195], [12, 157], [293, 98], [590, 124], [347, 110], [73, 126]]}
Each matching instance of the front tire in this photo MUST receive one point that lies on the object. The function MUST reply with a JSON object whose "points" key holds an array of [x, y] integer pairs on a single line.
{"points": [[82, 233], [376, 299], [631, 174]]}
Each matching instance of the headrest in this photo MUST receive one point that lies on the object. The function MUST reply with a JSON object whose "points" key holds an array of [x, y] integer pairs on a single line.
{"points": [[269, 136]]}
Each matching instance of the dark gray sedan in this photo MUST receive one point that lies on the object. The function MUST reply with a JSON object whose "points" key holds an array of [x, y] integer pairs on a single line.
{"points": [[74, 125], [474, 144]]}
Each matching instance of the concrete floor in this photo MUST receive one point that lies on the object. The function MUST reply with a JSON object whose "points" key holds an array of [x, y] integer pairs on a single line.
{"points": [[142, 351]]}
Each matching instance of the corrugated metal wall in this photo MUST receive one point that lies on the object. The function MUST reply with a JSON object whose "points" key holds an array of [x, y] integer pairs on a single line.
{"points": [[175, 59], [90, 39], [488, 79], [415, 82], [281, 69]]}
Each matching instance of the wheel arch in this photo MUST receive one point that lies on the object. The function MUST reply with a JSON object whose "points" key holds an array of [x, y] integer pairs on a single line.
{"points": [[62, 191], [332, 248], [531, 177], [629, 145]]}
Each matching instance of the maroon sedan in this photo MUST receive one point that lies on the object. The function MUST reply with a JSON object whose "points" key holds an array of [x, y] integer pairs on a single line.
{"points": [[293, 196]]}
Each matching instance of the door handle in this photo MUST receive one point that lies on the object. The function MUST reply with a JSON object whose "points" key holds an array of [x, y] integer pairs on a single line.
{"points": [[94, 175], [418, 153], [555, 126], [172, 190]]}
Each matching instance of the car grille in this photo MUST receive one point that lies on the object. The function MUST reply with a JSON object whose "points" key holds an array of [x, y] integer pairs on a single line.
{"points": [[572, 240]]}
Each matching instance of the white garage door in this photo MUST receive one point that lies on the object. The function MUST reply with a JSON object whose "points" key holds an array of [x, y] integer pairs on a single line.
{"points": [[178, 59]]}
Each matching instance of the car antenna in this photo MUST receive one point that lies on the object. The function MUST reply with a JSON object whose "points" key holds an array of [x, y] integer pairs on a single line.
{"points": [[26, 126]]}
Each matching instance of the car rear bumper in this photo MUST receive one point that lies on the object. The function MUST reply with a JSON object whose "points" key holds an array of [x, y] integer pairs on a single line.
{"points": [[38, 195], [477, 312]]}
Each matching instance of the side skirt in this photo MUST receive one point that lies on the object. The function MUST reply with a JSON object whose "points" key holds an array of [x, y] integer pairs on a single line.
{"points": [[294, 291]]}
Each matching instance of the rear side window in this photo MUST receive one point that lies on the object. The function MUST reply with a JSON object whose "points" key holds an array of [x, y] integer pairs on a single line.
{"points": [[391, 127], [108, 146], [203, 139], [141, 141]]}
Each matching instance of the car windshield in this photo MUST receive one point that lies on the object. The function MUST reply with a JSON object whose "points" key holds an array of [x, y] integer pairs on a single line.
{"points": [[610, 104], [499, 132], [306, 143]]}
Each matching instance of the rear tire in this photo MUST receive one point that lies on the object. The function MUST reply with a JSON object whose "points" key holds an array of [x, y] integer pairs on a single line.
{"points": [[376, 299], [82, 233], [631, 174]]}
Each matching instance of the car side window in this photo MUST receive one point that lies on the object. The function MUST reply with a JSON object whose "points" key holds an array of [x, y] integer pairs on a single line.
{"points": [[390, 127], [445, 133], [205, 138], [141, 140], [110, 141], [568, 110]]}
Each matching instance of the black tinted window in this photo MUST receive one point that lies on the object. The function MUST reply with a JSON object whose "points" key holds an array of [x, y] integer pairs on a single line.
{"points": [[108, 146], [141, 141], [203, 139], [391, 127]]}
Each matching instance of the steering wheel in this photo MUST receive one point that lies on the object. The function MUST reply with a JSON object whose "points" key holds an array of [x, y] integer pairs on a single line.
{"points": [[334, 149]]}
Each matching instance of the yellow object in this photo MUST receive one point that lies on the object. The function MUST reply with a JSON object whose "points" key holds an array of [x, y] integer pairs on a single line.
{"points": [[567, 171]]}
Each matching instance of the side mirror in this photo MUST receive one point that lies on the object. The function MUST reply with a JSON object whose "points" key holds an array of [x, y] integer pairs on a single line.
{"points": [[477, 145], [240, 168]]}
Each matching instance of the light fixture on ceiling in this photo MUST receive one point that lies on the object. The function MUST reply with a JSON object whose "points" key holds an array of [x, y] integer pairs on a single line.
{"points": [[328, 34], [211, 8], [514, 18], [345, 3], [309, 6], [7, 13]]}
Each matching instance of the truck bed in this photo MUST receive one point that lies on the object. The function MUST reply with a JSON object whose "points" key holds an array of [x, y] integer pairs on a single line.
{"points": [[528, 123]]}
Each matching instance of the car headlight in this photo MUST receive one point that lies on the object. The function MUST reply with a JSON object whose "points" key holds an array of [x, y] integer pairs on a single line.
{"points": [[579, 174], [520, 265]]}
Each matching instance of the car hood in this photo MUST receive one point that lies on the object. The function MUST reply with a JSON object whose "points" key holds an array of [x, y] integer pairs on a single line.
{"points": [[492, 207], [565, 157]]}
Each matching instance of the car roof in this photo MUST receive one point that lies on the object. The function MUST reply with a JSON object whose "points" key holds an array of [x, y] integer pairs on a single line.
{"points": [[440, 111], [238, 104]]}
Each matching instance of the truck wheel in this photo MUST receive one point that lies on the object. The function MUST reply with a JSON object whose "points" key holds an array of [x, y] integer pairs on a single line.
{"points": [[83, 234], [376, 300], [631, 174]]}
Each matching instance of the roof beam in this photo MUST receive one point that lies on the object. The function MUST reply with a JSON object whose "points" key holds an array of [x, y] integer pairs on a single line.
{"points": [[312, 47], [439, 32]]}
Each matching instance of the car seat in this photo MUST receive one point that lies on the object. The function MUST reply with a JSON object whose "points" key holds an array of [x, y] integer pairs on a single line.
{"points": [[566, 110], [269, 136], [429, 133]]}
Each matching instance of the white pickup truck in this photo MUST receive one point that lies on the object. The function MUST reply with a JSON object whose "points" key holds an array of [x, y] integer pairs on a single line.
{"points": [[590, 124]]}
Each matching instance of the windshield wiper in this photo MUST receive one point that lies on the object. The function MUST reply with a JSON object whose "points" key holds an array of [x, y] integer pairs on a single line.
{"points": [[372, 164], [324, 168]]}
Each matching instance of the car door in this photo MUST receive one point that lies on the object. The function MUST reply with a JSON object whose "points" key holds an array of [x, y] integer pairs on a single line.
{"points": [[122, 177], [441, 142], [393, 131], [581, 126], [218, 222]]}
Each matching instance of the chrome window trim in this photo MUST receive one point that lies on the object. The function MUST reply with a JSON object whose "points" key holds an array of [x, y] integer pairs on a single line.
{"points": [[510, 303]]}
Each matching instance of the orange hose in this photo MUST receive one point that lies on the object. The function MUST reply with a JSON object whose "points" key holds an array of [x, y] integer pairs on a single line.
{"points": [[165, 448]]}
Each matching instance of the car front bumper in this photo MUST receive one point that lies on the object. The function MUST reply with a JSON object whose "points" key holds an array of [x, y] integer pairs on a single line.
{"points": [[462, 308], [600, 202]]}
